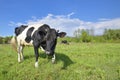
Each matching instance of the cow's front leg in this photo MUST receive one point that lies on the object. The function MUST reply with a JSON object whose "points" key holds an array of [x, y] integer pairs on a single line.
{"points": [[36, 55], [53, 58]]}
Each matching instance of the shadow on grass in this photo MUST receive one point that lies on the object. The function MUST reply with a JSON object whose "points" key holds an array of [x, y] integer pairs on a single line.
{"points": [[65, 59], [59, 57], [29, 56]]}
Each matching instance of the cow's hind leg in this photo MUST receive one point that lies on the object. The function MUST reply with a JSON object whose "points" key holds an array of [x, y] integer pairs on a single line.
{"points": [[20, 53], [19, 60], [53, 58]]}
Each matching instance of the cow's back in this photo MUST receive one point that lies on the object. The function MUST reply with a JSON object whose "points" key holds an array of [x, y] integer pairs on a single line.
{"points": [[26, 33]]}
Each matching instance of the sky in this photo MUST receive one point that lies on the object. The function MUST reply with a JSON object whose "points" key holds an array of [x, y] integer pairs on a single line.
{"points": [[63, 15]]}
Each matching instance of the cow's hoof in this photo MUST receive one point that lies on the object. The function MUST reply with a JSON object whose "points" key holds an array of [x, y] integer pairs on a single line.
{"points": [[36, 64], [19, 60], [22, 58], [53, 61]]}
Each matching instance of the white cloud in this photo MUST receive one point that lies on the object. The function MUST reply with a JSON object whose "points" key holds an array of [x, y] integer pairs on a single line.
{"points": [[69, 25], [104, 19]]}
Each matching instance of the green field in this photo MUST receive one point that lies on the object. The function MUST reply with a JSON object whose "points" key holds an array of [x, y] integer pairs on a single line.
{"points": [[77, 61]]}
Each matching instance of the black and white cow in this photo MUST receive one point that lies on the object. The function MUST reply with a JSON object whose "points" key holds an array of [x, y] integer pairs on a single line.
{"points": [[39, 36]]}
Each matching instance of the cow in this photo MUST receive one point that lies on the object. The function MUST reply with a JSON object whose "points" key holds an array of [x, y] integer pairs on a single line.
{"points": [[64, 42], [39, 36]]}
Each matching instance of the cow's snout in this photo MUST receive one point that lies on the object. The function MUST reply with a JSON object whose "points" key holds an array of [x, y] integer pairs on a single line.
{"points": [[47, 52]]}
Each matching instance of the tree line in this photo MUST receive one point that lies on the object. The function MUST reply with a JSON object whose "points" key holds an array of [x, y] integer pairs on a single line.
{"points": [[5, 40], [84, 35], [87, 35], [112, 34]]}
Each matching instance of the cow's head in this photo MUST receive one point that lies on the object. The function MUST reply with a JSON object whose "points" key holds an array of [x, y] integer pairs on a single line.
{"points": [[47, 38], [51, 40]]}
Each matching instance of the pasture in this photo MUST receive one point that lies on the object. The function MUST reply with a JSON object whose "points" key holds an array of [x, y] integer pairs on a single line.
{"points": [[77, 61]]}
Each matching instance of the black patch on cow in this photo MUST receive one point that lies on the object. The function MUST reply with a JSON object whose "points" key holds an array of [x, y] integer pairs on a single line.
{"points": [[39, 35], [43, 44], [28, 34], [19, 30], [44, 28]]}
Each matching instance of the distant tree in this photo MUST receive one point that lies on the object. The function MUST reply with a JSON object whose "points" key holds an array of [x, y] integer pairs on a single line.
{"points": [[82, 35], [110, 34], [77, 33], [85, 36], [1, 40]]}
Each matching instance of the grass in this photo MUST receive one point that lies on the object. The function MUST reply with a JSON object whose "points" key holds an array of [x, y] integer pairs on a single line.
{"points": [[77, 61]]}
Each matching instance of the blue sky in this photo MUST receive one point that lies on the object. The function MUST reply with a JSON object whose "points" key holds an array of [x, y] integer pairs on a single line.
{"points": [[66, 15]]}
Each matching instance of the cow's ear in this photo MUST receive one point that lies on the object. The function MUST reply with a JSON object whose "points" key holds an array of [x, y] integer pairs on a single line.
{"points": [[61, 34]]}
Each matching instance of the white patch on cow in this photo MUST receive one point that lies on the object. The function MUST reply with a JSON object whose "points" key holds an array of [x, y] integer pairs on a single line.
{"points": [[42, 48], [53, 58], [36, 64]]}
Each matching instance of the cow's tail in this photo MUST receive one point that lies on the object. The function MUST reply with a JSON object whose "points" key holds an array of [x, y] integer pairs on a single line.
{"points": [[14, 43]]}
